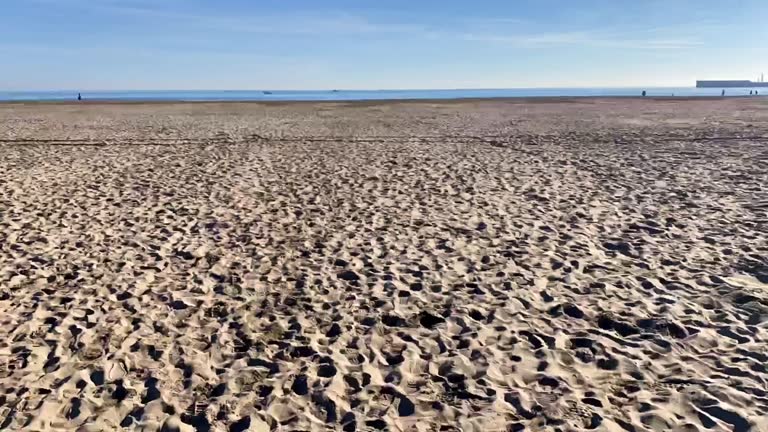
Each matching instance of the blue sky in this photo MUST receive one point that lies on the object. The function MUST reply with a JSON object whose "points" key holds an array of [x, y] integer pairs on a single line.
{"points": [[377, 44]]}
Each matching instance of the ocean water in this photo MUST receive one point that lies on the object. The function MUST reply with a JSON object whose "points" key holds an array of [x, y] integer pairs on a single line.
{"points": [[350, 95]]}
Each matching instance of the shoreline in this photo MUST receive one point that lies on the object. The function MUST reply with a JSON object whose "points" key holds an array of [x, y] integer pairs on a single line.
{"points": [[525, 99]]}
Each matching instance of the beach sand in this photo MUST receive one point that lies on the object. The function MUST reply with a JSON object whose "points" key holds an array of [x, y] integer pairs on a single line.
{"points": [[563, 264]]}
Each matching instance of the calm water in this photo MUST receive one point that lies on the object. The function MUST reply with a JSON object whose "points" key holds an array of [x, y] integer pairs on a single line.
{"points": [[347, 95]]}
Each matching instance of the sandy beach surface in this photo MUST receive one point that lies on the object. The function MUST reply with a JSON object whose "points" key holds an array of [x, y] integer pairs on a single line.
{"points": [[563, 264]]}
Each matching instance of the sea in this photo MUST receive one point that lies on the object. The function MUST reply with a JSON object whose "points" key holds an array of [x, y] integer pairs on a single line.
{"points": [[353, 95]]}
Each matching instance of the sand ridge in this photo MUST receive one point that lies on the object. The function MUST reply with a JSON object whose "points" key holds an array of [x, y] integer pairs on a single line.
{"points": [[480, 266]]}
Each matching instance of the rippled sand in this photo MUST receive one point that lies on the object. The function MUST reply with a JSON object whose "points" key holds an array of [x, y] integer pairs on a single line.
{"points": [[474, 266]]}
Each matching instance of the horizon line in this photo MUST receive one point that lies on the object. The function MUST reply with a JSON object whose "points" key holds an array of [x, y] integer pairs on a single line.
{"points": [[341, 89]]}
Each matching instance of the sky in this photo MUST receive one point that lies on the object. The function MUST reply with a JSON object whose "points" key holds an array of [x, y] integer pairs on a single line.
{"points": [[377, 44]]}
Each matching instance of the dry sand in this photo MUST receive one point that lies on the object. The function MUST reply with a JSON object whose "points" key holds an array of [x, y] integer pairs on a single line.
{"points": [[475, 266]]}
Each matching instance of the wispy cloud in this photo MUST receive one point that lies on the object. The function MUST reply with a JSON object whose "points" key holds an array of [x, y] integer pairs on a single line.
{"points": [[582, 38], [172, 13], [108, 52], [496, 21], [508, 31], [468, 30], [306, 24]]}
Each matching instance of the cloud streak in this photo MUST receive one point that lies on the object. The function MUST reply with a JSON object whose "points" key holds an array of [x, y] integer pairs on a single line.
{"points": [[172, 15], [348, 24], [543, 40]]}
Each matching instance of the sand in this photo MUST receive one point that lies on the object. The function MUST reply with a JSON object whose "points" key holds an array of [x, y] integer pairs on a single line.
{"points": [[562, 264]]}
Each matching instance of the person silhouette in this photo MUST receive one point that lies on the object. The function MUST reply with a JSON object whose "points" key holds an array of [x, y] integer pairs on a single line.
{"points": [[643, 93], [723, 93], [79, 97]]}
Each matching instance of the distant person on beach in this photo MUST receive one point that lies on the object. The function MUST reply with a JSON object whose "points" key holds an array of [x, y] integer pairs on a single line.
{"points": [[723, 93], [643, 93], [79, 97], [750, 92]]}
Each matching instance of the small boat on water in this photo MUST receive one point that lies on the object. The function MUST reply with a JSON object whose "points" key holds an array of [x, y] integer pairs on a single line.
{"points": [[267, 92]]}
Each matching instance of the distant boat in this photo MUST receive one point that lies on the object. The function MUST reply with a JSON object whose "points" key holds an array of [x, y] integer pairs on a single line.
{"points": [[267, 92], [334, 91]]}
